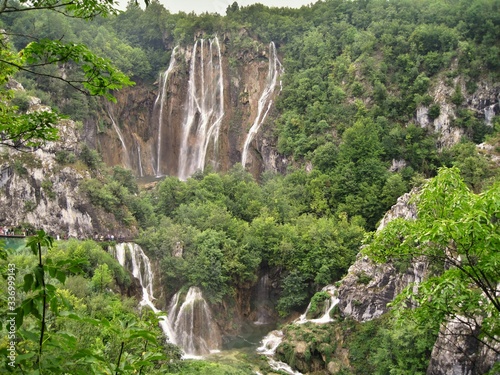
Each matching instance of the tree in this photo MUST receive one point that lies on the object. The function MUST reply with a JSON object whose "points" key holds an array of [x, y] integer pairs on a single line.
{"points": [[458, 232], [96, 76], [102, 278]]}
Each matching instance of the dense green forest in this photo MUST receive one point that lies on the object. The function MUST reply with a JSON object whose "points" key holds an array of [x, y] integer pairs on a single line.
{"points": [[355, 74]]}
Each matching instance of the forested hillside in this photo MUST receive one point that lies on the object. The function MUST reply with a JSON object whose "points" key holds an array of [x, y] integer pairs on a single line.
{"points": [[369, 99]]}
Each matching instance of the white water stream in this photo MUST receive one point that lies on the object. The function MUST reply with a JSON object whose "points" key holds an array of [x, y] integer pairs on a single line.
{"points": [[161, 99], [141, 269], [329, 305], [204, 107], [265, 101], [122, 140], [189, 323]]}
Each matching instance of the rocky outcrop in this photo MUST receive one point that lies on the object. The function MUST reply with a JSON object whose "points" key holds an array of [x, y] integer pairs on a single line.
{"points": [[368, 286], [484, 103], [458, 352], [43, 194]]}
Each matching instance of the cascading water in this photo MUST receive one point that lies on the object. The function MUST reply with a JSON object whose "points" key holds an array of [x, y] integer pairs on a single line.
{"points": [[265, 101], [329, 305], [161, 99], [263, 301], [269, 345], [204, 107], [193, 328], [271, 342], [141, 269], [122, 140]]}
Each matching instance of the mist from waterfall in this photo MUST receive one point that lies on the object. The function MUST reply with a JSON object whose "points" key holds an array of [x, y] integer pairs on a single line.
{"points": [[204, 107], [265, 101], [161, 100]]}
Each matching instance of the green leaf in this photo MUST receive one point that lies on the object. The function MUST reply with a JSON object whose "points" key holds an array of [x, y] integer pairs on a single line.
{"points": [[28, 282]]}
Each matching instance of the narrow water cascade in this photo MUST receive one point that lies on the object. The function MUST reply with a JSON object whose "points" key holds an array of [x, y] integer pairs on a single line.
{"points": [[139, 159], [269, 345], [122, 140], [328, 307], [265, 101], [193, 328], [204, 107], [161, 99], [141, 269], [263, 301]]}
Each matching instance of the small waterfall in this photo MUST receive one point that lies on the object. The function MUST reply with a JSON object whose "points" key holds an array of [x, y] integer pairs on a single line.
{"points": [[141, 172], [271, 342], [193, 328], [139, 160], [141, 269], [204, 107], [162, 98], [263, 301], [329, 305], [269, 345], [265, 101], [122, 140], [489, 114]]}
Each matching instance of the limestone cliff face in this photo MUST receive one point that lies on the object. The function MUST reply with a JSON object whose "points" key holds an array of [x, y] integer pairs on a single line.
{"points": [[368, 287], [484, 103], [457, 352], [199, 113], [41, 193]]}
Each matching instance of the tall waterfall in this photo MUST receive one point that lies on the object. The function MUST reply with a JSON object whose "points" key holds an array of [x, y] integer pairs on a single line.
{"points": [[161, 99], [204, 107], [122, 140], [265, 101], [142, 270], [193, 328]]}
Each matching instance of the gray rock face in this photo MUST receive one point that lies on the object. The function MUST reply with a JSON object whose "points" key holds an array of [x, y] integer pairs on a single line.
{"points": [[484, 102], [457, 352], [42, 193], [368, 287], [46, 195]]}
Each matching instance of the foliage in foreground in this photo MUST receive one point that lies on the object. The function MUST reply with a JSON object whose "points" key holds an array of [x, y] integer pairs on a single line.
{"points": [[68, 320]]}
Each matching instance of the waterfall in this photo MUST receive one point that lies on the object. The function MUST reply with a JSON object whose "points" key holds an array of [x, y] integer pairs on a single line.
{"points": [[122, 140], [204, 107], [265, 100], [193, 328], [271, 342], [269, 345], [141, 172], [142, 270], [139, 160], [162, 98], [489, 114], [263, 301], [329, 305]]}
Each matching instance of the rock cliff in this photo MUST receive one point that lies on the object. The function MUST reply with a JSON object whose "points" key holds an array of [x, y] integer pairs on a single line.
{"points": [[206, 109], [42, 193]]}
